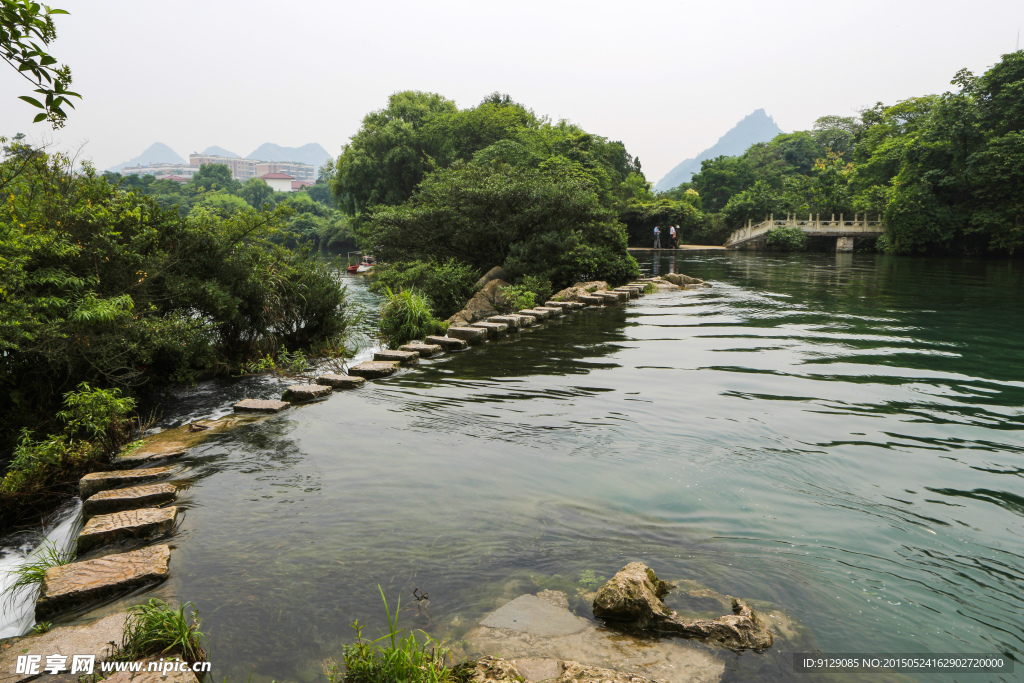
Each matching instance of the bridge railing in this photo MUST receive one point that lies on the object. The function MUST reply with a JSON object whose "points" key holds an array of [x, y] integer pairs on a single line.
{"points": [[810, 226]]}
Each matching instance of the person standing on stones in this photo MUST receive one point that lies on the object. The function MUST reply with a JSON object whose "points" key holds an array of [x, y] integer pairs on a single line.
{"points": [[657, 237], [672, 237], [675, 237]]}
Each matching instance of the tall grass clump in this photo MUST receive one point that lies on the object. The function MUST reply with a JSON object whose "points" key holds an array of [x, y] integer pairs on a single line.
{"points": [[156, 628], [406, 316], [30, 575], [392, 658]]}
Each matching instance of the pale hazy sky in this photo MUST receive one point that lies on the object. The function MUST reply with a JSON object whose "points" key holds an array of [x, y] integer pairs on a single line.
{"points": [[666, 78]]}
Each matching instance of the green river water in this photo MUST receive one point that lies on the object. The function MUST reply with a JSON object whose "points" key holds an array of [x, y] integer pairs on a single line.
{"points": [[839, 435]]}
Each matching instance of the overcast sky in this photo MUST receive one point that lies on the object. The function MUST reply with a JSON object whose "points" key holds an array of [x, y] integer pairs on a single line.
{"points": [[666, 78]]}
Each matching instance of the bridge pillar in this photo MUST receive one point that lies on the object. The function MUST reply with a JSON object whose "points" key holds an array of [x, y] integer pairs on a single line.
{"points": [[844, 244]]}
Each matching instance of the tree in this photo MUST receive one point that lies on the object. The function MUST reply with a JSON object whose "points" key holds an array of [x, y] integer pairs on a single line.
{"points": [[257, 193], [213, 177], [23, 25]]}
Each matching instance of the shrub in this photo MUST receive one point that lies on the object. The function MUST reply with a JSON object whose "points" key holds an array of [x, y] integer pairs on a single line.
{"points": [[405, 316], [786, 238], [541, 288], [446, 284], [157, 629], [516, 298]]}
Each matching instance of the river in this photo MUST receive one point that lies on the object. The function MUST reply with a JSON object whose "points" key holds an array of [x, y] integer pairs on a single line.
{"points": [[839, 435]]}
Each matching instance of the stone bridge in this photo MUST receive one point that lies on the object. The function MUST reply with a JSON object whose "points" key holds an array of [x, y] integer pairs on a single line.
{"points": [[752, 236]]}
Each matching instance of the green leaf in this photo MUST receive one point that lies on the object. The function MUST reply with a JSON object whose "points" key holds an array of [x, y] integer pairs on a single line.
{"points": [[31, 100], [38, 118]]}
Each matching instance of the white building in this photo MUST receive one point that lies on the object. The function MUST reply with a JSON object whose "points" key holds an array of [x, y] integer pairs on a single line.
{"points": [[279, 182]]}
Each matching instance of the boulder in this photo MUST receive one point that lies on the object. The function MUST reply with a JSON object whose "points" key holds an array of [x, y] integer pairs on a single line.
{"points": [[373, 369], [68, 586], [484, 304], [92, 638], [495, 273], [684, 280], [297, 393], [127, 525], [115, 500], [255, 405], [632, 598], [337, 382], [95, 482], [579, 289]]}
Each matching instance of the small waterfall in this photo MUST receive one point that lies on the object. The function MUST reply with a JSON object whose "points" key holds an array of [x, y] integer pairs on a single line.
{"points": [[17, 610]]}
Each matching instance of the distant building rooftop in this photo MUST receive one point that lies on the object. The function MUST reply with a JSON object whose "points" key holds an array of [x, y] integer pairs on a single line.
{"points": [[299, 184], [277, 176]]}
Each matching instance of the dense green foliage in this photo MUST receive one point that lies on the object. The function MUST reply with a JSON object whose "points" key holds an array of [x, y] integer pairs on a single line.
{"points": [[786, 238], [446, 284], [24, 28], [489, 185], [104, 286], [946, 171], [406, 315]]}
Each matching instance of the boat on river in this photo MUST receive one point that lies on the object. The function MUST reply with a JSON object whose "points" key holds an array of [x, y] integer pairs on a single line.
{"points": [[363, 265]]}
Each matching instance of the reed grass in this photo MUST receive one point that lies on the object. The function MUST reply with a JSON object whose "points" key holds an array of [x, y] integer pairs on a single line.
{"points": [[156, 628], [32, 573]]}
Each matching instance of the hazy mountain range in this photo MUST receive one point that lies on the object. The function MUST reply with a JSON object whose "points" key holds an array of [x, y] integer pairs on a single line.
{"points": [[158, 153], [758, 127]]}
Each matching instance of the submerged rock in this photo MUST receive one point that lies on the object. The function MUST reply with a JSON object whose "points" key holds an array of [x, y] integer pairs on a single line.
{"points": [[539, 629], [579, 289], [684, 280], [633, 598]]}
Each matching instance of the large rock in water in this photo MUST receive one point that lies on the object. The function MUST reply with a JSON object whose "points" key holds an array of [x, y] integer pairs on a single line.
{"points": [[579, 289], [633, 598], [484, 304], [534, 630], [684, 280]]}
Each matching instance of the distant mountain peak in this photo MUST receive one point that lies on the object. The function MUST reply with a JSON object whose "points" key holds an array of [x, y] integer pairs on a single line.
{"points": [[216, 151], [756, 127], [311, 153], [157, 153]]}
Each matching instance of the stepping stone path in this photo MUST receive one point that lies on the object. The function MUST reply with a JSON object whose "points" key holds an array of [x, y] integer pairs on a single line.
{"points": [[337, 382], [591, 299], [72, 584], [555, 311], [608, 297], [116, 500], [469, 334], [447, 343], [305, 392], [536, 313], [524, 320], [152, 453], [425, 350], [630, 292], [512, 321], [255, 405], [564, 305], [93, 638], [143, 524], [372, 369], [93, 483], [492, 329], [403, 357]]}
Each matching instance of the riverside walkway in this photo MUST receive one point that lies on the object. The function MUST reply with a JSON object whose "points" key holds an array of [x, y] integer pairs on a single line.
{"points": [[753, 236]]}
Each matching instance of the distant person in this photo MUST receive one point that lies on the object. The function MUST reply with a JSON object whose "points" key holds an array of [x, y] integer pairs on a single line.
{"points": [[672, 237], [657, 237], [675, 237]]}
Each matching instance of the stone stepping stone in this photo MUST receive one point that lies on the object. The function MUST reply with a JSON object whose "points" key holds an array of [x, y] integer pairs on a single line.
{"points": [[631, 293], [608, 297], [555, 311], [146, 523], [70, 585], [256, 405], [403, 357], [524, 320], [93, 638], [305, 392], [373, 369], [492, 329], [537, 313], [469, 334], [149, 453], [590, 299], [115, 500], [425, 350], [447, 343], [337, 382], [512, 321], [564, 305], [95, 482]]}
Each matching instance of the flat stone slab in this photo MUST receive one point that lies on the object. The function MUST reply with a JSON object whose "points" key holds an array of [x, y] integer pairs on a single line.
{"points": [[630, 292], [372, 369], [341, 381], [590, 299], [564, 305], [115, 500], [493, 329], [424, 350], [512, 321], [91, 638], [469, 334], [555, 311], [608, 297], [126, 525], [524, 320], [537, 313], [256, 405], [447, 343], [95, 482], [538, 616], [152, 452], [70, 585], [403, 357], [305, 392]]}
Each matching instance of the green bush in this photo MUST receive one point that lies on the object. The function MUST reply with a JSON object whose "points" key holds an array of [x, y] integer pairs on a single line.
{"points": [[406, 316], [446, 284], [517, 298], [540, 287], [157, 629], [786, 238]]}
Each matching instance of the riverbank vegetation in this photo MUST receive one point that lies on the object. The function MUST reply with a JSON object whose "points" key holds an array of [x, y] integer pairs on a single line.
{"points": [[105, 295], [945, 172]]}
